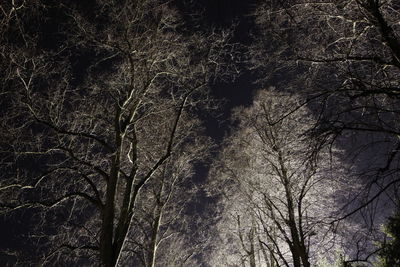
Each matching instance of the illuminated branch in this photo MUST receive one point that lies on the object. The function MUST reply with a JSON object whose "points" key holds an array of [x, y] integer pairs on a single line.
{"points": [[51, 203]]}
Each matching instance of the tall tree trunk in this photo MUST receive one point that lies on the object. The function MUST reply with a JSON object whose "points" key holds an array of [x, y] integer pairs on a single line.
{"points": [[154, 237], [107, 252], [157, 214], [299, 253], [252, 253]]}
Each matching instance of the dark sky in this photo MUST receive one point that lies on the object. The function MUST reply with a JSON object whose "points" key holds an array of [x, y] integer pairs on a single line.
{"points": [[218, 14], [221, 14]]}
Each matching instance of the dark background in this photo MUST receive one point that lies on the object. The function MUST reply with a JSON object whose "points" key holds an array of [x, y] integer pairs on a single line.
{"points": [[212, 14]]}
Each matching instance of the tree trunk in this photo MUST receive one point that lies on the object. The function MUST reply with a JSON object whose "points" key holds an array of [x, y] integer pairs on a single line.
{"points": [[153, 246], [107, 256]]}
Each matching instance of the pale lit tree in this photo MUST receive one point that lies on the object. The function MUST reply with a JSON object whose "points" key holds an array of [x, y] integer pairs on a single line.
{"points": [[343, 57], [282, 186]]}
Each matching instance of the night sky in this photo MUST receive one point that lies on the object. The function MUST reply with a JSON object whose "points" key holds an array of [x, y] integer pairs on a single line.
{"points": [[220, 15]]}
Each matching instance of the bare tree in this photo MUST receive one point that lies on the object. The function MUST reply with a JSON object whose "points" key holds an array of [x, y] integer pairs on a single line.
{"points": [[282, 185], [335, 52], [343, 57], [86, 153], [162, 220]]}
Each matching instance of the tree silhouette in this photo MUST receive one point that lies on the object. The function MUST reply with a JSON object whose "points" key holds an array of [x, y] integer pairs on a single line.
{"points": [[343, 57], [90, 144]]}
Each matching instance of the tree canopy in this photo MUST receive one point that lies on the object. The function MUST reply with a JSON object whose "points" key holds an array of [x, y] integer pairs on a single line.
{"points": [[106, 152]]}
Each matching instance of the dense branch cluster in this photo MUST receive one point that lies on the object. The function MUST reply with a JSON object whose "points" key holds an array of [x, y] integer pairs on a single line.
{"points": [[282, 188], [102, 133], [340, 59], [100, 152]]}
